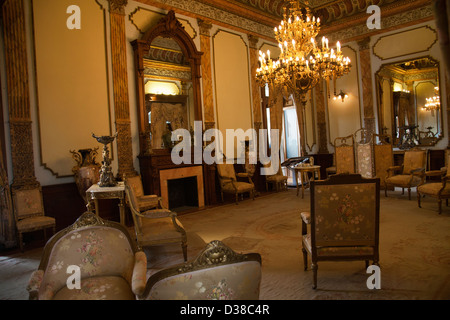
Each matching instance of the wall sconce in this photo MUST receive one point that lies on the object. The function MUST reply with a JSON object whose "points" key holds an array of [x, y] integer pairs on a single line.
{"points": [[342, 95]]}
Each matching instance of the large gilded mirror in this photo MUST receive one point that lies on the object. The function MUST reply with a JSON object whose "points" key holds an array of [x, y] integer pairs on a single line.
{"points": [[168, 87], [408, 101]]}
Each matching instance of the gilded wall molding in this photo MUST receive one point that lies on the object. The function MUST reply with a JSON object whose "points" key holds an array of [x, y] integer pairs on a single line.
{"points": [[350, 31], [219, 15]]}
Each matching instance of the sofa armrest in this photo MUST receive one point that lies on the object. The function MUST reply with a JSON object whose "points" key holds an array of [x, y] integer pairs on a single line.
{"points": [[139, 277], [306, 217], [34, 284]]}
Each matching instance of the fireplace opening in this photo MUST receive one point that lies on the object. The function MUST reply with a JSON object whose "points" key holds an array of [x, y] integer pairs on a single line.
{"points": [[183, 194]]}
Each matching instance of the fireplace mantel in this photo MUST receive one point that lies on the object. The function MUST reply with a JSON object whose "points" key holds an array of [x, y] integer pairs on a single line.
{"points": [[151, 165]]}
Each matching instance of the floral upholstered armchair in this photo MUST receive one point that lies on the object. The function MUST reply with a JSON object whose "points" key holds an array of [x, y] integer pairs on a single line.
{"points": [[410, 174], [344, 221], [218, 273], [103, 255]]}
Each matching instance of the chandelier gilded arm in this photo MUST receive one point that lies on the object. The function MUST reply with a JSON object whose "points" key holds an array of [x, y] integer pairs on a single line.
{"points": [[302, 61]]}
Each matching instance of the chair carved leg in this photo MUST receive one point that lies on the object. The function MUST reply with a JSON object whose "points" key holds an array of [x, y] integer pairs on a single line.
{"points": [[305, 259], [21, 241], [418, 200], [314, 268], [184, 247], [409, 193]]}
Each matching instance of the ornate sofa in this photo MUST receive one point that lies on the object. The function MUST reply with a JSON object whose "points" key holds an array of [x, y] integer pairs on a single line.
{"points": [[218, 273]]}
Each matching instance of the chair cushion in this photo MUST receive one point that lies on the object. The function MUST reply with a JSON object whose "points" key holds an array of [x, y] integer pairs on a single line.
{"points": [[331, 169], [159, 230], [276, 178], [98, 288], [147, 202], [402, 180], [240, 186], [37, 222], [433, 189], [338, 251]]}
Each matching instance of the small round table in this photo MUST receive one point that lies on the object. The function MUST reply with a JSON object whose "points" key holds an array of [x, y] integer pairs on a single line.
{"points": [[304, 176]]}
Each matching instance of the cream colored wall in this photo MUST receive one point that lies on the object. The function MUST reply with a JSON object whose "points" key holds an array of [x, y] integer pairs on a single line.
{"points": [[72, 84], [344, 118], [232, 84]]}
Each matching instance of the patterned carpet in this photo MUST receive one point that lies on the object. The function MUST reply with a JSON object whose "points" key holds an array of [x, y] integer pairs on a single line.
{"points": [[414, 250]]}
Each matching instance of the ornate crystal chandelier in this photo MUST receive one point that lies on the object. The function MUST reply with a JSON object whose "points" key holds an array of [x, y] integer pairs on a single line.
{"points": [[433, 103], [302, 61]]}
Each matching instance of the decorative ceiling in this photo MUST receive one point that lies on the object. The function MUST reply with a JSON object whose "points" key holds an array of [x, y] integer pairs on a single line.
{"points": [[342, 19], [328, 10]]}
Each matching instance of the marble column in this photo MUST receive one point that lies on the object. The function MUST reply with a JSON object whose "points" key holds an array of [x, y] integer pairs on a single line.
{"points": [[366, 79], [208, 94], [120, 84], [321, 118], [18, 94], [256, 89]]}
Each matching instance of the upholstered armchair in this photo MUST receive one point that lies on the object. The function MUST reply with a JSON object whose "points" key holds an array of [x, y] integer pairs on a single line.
{"points": [[157, 226], [344, 154], [217, 273], [344, 221], [144, 202], [29, 212], [229, 184], [278, 180], [383, 157], [110, 267], [410, 174], [437, 189]]}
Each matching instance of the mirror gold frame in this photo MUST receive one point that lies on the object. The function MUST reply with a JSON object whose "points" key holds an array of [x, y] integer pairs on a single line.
{"points": [[401, 101], [167, 27]]}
